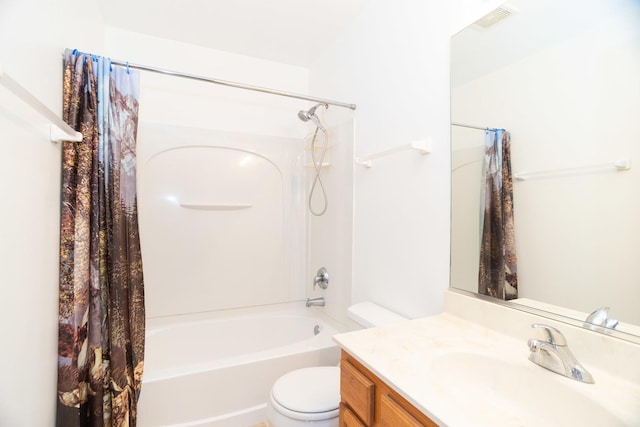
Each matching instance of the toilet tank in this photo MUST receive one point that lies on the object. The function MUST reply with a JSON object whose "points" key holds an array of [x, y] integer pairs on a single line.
{"points": [[370, 315]]}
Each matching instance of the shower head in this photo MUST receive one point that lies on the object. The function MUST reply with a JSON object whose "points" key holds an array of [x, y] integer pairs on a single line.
{"points": [[305, 116]]}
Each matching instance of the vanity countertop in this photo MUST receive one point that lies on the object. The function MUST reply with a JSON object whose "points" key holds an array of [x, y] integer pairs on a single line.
{"points": [[461, 373]]}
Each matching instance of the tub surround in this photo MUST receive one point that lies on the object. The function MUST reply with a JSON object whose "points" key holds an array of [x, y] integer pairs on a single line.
{"points": [[455, 366]]}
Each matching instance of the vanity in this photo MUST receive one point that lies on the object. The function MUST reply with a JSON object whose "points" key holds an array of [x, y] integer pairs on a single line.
{"points": [[469, 367]]}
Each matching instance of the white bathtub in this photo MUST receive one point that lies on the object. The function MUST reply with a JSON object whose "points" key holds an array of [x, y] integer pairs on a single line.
{"points": [[216, 369]]}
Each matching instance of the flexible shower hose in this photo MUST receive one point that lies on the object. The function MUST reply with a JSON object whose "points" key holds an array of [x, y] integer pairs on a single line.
{"points": [[318, 167]]}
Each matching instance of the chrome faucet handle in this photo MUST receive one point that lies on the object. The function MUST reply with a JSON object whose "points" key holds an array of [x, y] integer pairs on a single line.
{"points": [[550, 334], [600, 317], [321, 279]]}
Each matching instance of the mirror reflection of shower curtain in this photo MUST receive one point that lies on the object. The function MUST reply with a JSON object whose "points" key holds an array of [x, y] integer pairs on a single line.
{"points": [[498, 267]]}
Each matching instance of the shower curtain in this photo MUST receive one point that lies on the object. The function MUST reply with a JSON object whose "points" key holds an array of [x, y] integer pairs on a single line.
{"points": [[101, 301], [498, 275]]}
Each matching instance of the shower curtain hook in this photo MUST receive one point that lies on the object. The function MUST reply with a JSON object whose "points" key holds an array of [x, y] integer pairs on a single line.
{"points": [[128, 71]]}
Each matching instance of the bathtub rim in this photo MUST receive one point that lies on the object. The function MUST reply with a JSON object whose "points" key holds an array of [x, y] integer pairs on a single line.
{"points": [[294, 309], [298, 307]]}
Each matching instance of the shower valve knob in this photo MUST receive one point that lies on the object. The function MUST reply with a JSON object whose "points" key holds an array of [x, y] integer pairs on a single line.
{"points": [[321, 279]]}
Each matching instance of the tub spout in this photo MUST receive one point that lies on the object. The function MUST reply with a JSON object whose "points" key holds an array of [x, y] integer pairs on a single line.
{"points": [[315, 301]]}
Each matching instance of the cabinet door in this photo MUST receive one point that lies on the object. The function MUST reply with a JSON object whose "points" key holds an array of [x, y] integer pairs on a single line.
{"points": [[394, 415], [358, 391], [348, 418]]}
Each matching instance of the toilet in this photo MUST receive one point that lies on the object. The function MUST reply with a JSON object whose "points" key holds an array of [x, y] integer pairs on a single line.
{"points": [[311, 396]]}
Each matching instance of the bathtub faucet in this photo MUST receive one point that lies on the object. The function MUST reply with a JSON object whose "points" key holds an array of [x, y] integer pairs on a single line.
{"points": [[315, 301]]}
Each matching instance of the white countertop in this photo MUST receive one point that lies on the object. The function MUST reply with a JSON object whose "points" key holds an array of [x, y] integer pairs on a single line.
{"points": [[408, 355]]}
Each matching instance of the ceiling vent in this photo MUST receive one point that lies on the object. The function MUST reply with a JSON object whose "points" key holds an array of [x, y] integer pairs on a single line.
{"points": [[498, 14]]}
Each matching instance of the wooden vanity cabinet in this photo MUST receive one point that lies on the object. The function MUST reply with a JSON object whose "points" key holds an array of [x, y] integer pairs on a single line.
{"points": [[366, 401]]}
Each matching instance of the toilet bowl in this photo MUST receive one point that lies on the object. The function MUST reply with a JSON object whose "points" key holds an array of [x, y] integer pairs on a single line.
{"points": [[305, 396], [311, 396]]}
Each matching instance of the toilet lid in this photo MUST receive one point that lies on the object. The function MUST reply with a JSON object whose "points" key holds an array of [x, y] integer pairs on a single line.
{"points": [[309, 389]]}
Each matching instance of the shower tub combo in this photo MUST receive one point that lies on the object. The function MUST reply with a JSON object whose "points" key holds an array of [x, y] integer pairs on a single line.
{"points": [[224, 236], [217, 370]]}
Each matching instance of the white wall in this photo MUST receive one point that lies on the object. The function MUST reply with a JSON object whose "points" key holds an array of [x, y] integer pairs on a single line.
{"points": [[577, 236], [392, 63], [31, 46]]}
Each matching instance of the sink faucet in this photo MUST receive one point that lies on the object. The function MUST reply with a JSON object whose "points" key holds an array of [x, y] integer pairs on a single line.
{"points": [[315, 301], [600, 319], [551, 352]]}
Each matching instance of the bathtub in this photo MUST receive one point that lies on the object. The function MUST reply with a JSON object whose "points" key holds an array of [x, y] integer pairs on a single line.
{"points": [[216, 369]]}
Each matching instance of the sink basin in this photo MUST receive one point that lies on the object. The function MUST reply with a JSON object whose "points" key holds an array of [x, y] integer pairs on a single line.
{"points": [[520, 393]]}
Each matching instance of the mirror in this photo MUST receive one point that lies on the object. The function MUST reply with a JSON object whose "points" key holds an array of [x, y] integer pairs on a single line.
{"points": [[562, 77]]}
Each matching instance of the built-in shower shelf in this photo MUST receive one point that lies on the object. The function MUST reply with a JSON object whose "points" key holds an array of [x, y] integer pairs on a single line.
{"points": [[421, 146], [215, 206], [312, 166]]}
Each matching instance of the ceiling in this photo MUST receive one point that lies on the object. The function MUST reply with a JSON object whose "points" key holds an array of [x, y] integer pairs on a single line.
{"points": [[289, 31]]}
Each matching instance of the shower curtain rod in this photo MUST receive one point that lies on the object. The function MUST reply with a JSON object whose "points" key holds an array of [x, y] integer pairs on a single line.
{"points": [[233, 84], [468, 126]]}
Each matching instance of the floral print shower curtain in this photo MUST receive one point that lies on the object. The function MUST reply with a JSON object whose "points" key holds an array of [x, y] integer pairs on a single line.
{"points": [[101, 318], [498, 275]]}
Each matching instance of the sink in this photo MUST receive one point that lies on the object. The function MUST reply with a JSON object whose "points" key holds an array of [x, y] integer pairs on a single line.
{"points": [[516, 393]]}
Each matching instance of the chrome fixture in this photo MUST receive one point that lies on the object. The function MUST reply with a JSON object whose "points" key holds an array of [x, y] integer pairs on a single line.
{"points": [[310, 114], [317, 329], [315, 301], [321, 279], [552, 353], [232, 84], [600, 319]]}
